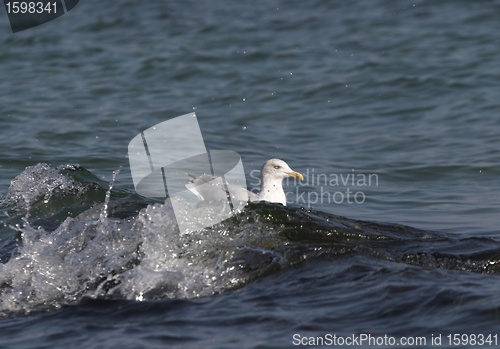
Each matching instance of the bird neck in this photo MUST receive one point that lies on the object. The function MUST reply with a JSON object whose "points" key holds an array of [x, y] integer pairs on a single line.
{"points": [[270, 183], [272, 190]]}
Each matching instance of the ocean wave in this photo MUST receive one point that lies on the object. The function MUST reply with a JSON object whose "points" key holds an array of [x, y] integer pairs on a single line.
{"points": [[76, 239]]}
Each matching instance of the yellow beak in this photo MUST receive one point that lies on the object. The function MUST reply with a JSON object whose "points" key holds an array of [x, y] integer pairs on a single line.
{"points": [[296, 175]]}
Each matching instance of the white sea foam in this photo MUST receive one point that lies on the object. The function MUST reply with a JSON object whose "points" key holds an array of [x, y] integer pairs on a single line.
{"points": [[138, 258]]}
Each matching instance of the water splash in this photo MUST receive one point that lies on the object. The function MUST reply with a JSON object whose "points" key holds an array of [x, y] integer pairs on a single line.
{"points": [[104, 212], [37, 184], [139, 257]]}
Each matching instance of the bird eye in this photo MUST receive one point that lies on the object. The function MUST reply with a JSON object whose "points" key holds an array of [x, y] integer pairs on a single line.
{"points": [[277, 166]]}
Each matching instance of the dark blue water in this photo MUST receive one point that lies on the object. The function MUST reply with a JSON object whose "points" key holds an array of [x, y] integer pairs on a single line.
{"points": [[389, 108]]}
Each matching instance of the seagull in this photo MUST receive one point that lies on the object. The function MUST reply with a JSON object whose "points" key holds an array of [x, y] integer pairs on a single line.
{"points": [[207, 187]]}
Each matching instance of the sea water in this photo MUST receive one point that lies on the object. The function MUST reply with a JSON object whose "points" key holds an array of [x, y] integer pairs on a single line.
{"points": [[402, 93]]}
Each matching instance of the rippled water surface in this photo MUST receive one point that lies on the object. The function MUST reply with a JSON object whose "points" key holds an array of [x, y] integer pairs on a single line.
{"points": [[389, 109]]}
